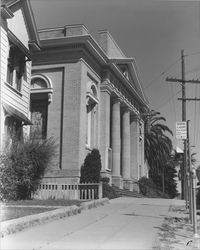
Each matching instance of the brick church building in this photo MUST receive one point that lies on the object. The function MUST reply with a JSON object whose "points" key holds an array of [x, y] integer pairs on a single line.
{"points": [[85, 93]]}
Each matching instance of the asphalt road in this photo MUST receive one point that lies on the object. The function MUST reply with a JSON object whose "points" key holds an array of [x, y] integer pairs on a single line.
{"points": [[124, 223]]}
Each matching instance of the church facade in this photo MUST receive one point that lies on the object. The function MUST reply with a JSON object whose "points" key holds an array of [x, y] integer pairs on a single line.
{"points": [[86, 94]]}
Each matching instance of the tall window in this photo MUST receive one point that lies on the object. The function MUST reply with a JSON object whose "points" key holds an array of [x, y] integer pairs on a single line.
{"points": [[16, 67], [41, 92], [91, 115], [39, 109]]}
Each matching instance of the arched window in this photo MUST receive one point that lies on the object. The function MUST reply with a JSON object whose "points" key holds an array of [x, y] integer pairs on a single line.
{"points": [[91, 114], [41, 96]]}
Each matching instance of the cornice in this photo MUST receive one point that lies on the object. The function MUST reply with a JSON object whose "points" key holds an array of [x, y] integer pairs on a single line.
{"points": [[110, 88], [6, 13], [87, 43]]}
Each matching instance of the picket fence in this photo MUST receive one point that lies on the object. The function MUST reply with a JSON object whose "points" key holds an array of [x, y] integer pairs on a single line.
{"points": [[86, 191]]}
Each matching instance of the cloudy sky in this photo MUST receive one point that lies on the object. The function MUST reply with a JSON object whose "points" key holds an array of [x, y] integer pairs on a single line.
{"points": [[153, 32]]}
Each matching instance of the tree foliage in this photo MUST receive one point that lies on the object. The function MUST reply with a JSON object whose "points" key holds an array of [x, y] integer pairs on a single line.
{"points": [[90, 170], [166, 179], [149, 189], [22, 166], [158, 145], [158, 148]]}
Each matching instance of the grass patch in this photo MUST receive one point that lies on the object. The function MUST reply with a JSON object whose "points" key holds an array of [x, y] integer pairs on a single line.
{"points": [[9, 213], [49, 202], [17, 209]]}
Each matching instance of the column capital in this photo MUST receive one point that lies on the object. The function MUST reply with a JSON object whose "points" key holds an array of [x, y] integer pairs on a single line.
{"points": [[106, 86], [126, 109], [116, 100], [135, 117]]}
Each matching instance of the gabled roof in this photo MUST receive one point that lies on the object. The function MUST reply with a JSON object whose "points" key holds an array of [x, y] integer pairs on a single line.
{"points": [[127, 66], [12, 5], [133, 75]]}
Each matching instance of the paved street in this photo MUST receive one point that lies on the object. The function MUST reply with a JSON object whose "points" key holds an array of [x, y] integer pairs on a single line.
{"points": [[125, 223]]}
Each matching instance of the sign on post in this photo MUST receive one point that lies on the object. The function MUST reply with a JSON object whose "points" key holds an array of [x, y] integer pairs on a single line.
{"points": [[181, 130]]}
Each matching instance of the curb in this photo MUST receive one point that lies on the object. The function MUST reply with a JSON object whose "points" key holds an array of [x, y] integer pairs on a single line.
{"points": [[19, 224]]}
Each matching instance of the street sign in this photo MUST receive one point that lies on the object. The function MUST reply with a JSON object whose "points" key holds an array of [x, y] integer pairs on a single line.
{"points": [[181, 130]]}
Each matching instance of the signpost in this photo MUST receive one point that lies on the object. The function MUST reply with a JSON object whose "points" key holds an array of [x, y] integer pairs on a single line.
{"points": [[181, 130], [181, 134]]}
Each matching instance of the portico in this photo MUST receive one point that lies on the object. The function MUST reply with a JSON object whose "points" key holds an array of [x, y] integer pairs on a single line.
{"points": [[120, 131]]}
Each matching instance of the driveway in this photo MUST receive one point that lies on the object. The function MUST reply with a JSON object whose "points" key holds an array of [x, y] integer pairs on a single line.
{"points": [[125, 223]]}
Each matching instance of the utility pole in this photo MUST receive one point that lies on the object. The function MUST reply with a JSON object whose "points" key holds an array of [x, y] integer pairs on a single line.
{"points": [[184, 182], [183, 82]]}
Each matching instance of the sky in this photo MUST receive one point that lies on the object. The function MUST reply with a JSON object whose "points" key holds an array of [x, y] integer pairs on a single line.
{"points": [[153, 32]]}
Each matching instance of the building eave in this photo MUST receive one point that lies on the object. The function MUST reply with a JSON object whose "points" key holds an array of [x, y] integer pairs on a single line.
{"points": [[86, 40], [93, 47], [28, 17], [132, 66], [127, 83]]}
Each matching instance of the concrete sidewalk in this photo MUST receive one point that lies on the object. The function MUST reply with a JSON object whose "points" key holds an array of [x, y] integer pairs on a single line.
{"points": [[125, 223]]}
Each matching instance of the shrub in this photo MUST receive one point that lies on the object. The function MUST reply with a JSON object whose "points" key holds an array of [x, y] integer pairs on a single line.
{"points": [[90, 170], [145, 184], [170, 185], [108, 191], [23, 166], [149, 189]]}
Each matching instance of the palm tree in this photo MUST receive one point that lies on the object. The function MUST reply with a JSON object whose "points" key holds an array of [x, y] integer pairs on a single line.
{"points": [[193, 159], [158, 146]]}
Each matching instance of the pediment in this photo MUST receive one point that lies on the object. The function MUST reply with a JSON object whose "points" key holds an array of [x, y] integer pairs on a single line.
{"points": [[128, 68]]}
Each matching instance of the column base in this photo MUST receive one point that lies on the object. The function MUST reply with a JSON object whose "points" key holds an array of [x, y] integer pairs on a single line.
{"points": [[135, 186], [117, 181], [127, 184], [131, 185]]}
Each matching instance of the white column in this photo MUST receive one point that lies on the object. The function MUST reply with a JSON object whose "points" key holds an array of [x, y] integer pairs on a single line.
{"points": [[116, 140], [126, 145], [134, 133], [105, 128]]}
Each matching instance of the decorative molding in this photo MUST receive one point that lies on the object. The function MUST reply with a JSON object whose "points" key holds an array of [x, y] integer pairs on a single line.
{"points": [[6, 12], [48, 90], [34, 46], [106, 86]]}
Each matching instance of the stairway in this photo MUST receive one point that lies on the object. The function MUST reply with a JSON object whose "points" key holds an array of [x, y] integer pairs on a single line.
{"points": [[127, 193]]}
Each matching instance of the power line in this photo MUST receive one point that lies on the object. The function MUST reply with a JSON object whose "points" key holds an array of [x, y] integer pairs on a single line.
{"points": [[183, 82], [154, 80], [172, 91], [171, 95], [163, 104], [193, 54]]}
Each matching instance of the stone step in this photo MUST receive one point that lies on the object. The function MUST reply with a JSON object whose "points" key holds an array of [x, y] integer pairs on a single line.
{"points": [[126, 192]]}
